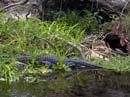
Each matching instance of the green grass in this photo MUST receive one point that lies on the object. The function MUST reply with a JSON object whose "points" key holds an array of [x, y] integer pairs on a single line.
{"points": [[38, 37], [117, 63], [35, 37]]}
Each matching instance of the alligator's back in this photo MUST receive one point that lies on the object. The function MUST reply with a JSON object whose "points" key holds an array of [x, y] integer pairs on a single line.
{"points": [[51, 60], [47, 58]]}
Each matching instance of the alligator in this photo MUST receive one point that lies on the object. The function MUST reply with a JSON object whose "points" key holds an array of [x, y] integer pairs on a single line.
{"points": [[52, 60]]}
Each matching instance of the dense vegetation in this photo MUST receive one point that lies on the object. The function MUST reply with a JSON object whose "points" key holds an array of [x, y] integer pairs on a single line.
{"points": [[38, 37]]}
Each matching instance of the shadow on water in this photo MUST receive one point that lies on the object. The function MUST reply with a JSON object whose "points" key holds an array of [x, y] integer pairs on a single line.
{"points": [[100, 83]]}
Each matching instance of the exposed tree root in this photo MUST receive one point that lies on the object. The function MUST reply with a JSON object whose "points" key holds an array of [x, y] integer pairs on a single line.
{"points": [[14, 4]]}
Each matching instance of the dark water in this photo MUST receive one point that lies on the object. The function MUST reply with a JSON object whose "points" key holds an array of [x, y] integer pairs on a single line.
{"points": [[87, 84]]}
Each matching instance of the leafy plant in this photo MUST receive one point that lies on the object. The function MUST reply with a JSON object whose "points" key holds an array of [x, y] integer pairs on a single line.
{"points": [[126, 24], [34, 37], [88, 22], [117, 63]]}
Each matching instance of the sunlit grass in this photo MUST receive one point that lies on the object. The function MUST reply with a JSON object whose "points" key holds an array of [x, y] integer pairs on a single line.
{"points": [[34, 37], [117, 63], [38, 37]]}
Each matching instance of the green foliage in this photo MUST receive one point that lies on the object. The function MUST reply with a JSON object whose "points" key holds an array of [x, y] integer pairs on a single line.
{"points": [[117, 63], [86, 20], [38, 37], [126, 23], [61, 69], [35, 37]]}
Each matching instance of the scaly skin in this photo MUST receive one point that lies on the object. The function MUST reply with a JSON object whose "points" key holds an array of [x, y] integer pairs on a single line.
{"points": [[51, 60]]}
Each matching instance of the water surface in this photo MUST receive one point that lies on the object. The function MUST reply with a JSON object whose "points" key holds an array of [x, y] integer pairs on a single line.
{"points": [[100, 83]]}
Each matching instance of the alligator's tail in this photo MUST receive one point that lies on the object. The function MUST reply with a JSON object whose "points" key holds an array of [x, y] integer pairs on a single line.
{"points": [[85, 65], [89, 65]]}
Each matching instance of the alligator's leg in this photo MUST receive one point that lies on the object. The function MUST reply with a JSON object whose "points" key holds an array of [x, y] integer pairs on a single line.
{"points": [[46, 62]]}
